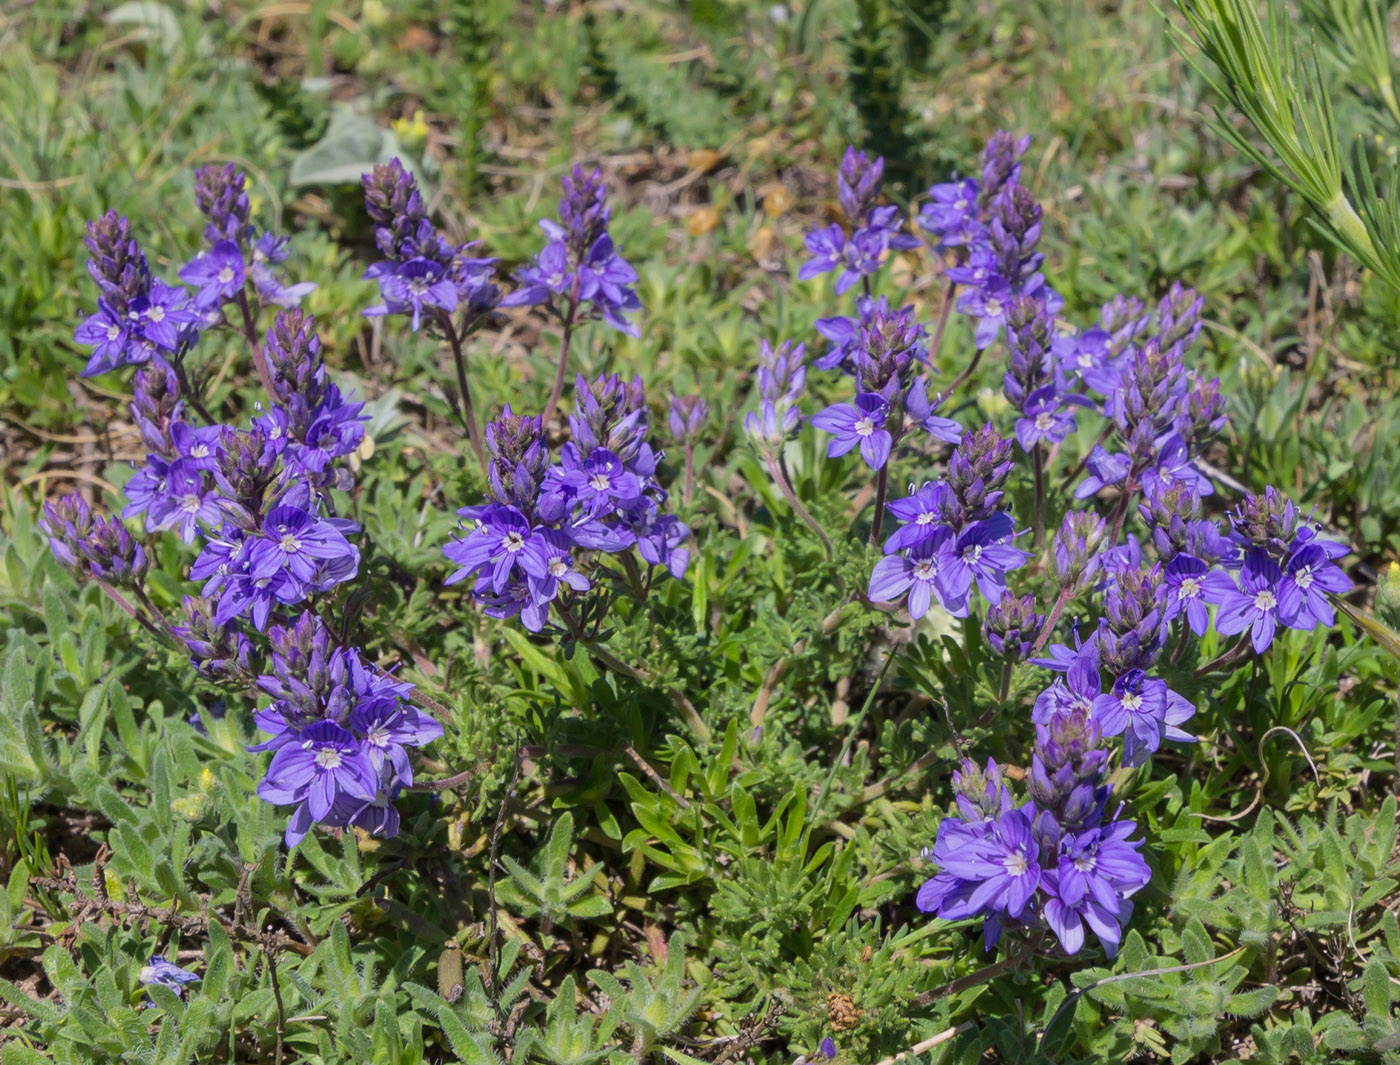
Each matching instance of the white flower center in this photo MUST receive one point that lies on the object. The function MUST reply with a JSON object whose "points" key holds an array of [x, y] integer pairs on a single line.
{"points": [[1190, 588], [199, 451], [973, 554], [1086, 862], [1265, 600], [328, 758], [1132, 703], [993, 308], [156, 314], [599, 482], [1044, 420], [1015, 864], [925, 518], [290, 543], [189, 503], [114, 331], [514, 542], [558, 568], [864, 427], [925, 570], [1304, 578], [225, 275], [377, 737]]}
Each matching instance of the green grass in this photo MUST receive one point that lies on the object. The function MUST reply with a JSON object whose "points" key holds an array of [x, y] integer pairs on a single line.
{"points": [[656, 892]]}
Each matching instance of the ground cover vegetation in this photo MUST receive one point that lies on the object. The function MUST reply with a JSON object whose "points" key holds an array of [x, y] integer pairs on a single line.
{"points": [[852, 531]]}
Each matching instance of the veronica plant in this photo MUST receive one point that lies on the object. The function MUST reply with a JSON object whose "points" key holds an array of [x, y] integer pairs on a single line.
{"points": [[1062, 860], [257, 500]]}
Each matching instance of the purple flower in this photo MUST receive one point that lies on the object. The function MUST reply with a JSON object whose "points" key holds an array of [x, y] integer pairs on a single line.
{"points": [[548, 563], [197, 446], [981, 554], [991, 869], [107, 332], [267, 251], [326, 763], [498, 543], [924, 513], [1075, 694], [1136, 708], [952, 214], [218, 274], [579, 261], [179, 500], [1191, 584], [413, 287], [1095, 873], [1104, 469], [299, 543], [1254, 605], [1309, 577], [166, 974], [920, 574], [919, 411], [1174, 466], [660, 545], [387, 727], [860, 424], [989, 305], [827, 247], [1044, 419]]}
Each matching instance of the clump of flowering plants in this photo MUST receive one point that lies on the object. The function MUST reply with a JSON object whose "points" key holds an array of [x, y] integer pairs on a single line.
{"points": [[1054, 564]]}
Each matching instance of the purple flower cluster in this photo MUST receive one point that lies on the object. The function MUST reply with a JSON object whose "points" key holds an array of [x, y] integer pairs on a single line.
{"points": [[139, 317], [236, 252], [1058, 861], [1286, 573], [92, 546], [339, 731], [993, 225], [782, 379], [860, 248], [886, 353], [422, 272], [579, 263], [523, 545], [257, 498], [253, 493], [952, 534]]}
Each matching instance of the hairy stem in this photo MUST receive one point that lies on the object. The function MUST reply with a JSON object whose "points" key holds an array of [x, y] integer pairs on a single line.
{"points": [[1038, 464], [967, 372], [936, 343], [250, 334], [1046, 629], [641, 676], [559, 371], [187, 390], [1228, 658], [785, 486], [465, 409], [689, 474], [982, 975], [881, 488]]}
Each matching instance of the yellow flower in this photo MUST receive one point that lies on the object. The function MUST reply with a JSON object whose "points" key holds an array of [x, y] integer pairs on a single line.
{"points": [[411, 131]]}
